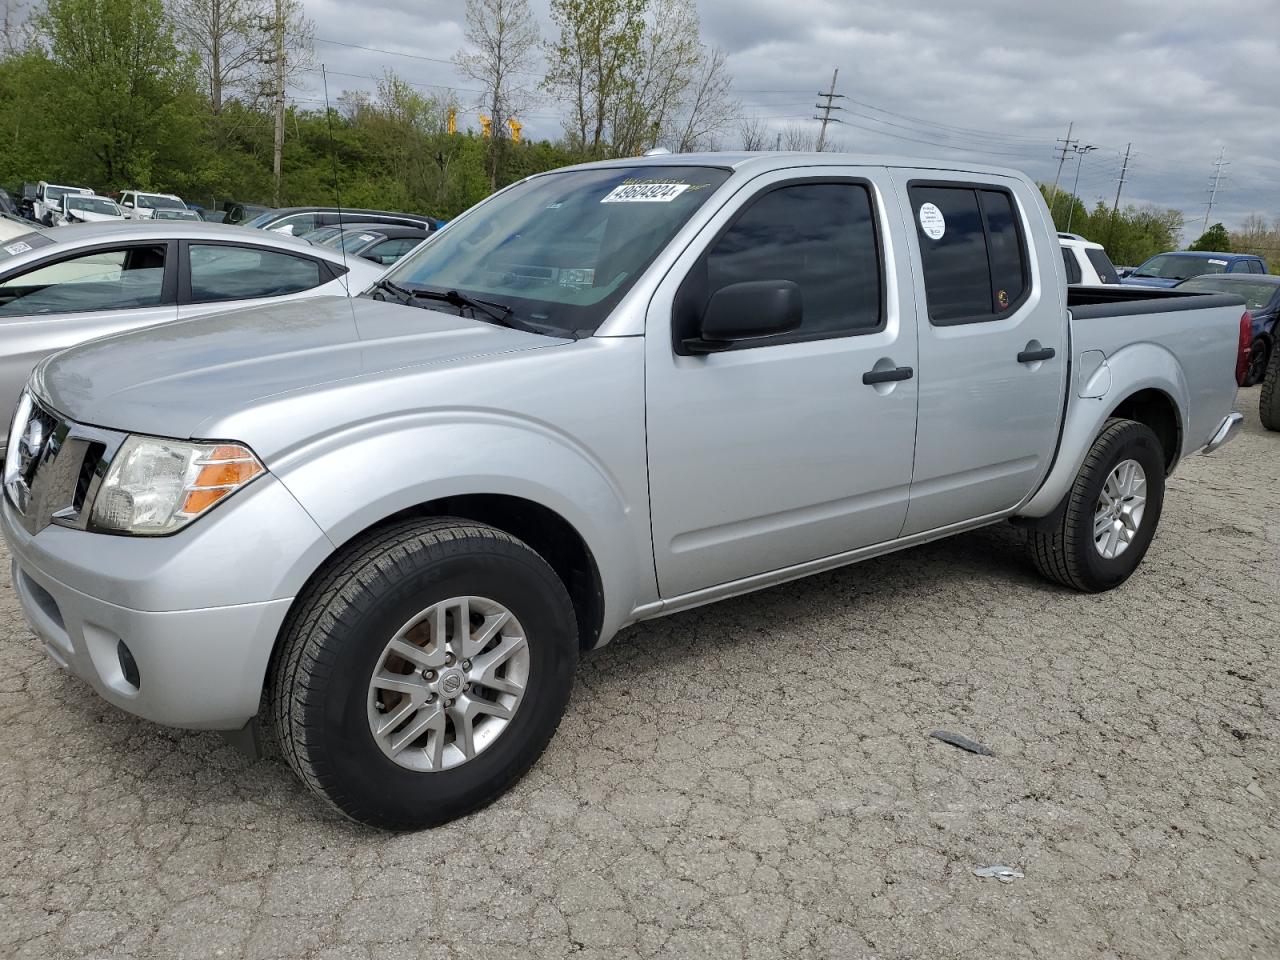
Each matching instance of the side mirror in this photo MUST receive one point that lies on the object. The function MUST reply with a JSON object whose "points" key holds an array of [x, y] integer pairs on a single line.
{"points": [[1123, 273], [750, 310], [128, 204]]}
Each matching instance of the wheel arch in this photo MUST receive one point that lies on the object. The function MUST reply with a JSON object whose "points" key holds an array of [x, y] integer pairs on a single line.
{"points": [[1156, 409]]}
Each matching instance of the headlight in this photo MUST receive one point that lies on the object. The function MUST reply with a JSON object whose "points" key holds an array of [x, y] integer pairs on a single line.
{"points": [[158, 486]]}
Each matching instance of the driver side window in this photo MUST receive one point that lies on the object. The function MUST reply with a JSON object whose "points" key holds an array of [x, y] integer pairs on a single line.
{"points": [[120, 279], [820, 236]]}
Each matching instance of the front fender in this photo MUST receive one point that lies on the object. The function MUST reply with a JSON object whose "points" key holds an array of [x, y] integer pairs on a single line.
{"points": [[1141, 366], [353, 479]]}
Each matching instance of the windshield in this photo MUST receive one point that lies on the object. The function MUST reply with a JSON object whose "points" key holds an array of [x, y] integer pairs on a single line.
{"points": [[177, 215], [562, 249], [261, 219], [151, 202], [53, 194], [351, 242], [1256, 294], [1180, 266], [93, 205]]}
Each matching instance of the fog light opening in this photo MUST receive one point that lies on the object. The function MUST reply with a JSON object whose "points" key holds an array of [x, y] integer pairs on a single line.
{"points": [[128, 666]]}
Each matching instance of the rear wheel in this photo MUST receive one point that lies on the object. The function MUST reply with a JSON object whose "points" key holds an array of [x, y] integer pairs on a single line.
{"points": [[424, 672], [1110, 514], [1257, 368], [1269, 402]]}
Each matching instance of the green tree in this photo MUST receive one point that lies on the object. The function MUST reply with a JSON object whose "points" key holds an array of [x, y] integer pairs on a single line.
{"points": [[123, 98], [1214, 240]]}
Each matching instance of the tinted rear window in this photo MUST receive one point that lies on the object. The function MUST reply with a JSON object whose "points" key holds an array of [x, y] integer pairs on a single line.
{"points": [[1102, 263]]}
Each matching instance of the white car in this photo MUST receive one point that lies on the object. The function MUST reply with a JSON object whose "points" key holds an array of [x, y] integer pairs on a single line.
{"points": [[48, 198], [61, 287], [140, 205], [1087, 262], [85, 208]]}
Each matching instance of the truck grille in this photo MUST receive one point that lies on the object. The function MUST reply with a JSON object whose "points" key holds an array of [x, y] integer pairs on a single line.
{"points": [[54, 467]]}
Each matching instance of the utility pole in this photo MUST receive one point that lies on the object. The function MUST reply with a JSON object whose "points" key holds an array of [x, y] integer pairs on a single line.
{"points": [[1115, 207], [1213, 191], [1080, 152], [826, 107], [275, 27], [1067, 146]]}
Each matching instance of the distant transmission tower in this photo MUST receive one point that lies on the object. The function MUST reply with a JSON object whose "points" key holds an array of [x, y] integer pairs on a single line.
{"points": [[1213, 191], [826, 107]]}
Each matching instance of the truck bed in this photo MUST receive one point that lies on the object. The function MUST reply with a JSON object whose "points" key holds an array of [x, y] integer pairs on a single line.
{"points": [[1118, 301]]}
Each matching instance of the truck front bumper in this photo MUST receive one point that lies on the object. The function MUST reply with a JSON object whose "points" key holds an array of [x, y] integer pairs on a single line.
{"points": [[1225, 433], [150, 623]]}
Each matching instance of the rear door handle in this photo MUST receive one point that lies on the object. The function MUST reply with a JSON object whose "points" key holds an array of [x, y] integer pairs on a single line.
{"points": [[887, 376], [1032, 356]]}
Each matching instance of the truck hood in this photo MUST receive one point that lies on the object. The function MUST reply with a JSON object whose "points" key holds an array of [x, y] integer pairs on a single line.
{"points": [[88, 216], [168, 379]]}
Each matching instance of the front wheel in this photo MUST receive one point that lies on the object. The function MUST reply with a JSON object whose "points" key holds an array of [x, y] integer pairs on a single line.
{"points": [[1110, 514], [424, 672]]}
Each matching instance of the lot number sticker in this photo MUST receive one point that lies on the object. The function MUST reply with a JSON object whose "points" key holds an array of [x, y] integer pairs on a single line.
{"points": [[14, 249], [932, 221], [645, 193]]}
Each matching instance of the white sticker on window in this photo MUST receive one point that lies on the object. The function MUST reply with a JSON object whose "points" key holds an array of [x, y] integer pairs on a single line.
{"points": [[645, 193], [932, 222], [1218, 263], [14, 249], [366, 237]]}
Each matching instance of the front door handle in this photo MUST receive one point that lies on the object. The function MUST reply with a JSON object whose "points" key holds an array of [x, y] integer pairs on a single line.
{"points": [[887, 376], [1033, 356]]}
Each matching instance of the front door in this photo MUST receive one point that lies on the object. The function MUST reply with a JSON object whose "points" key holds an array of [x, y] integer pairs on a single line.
{"points": [[776, 452], [993, 344]]}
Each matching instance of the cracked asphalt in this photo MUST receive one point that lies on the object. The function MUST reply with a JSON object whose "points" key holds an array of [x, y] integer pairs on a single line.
{"points": [[752, 779]]}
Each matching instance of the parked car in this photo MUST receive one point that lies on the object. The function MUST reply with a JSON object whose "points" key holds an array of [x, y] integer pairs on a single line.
{"points": [[26, 202], [383, 243], [8, 205], [1262, 297], [176, 214], [140, 205], [300, 220], [1170, 269], [85, 208], [104, 278], [1086, 262], [47, 200], [13, 227], [605, 394]]}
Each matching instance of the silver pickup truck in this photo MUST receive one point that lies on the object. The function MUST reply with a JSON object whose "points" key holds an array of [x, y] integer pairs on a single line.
{"points": [[384, 529]]}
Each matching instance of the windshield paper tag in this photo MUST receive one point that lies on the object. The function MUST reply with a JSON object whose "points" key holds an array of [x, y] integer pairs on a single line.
{"points": [[932, 222], [645, 193], [1218, 263], [14, 249]]}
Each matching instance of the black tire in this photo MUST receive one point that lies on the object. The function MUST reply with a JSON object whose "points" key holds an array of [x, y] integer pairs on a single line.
{"points": [[1257, 369], [1269, 402], [1065, 551], [337, 630]]}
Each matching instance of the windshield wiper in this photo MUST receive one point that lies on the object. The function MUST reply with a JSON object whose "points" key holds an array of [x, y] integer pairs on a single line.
{"points": [[402, 294], [499, 313]]}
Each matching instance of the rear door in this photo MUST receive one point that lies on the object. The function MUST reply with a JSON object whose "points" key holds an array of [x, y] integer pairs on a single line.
{"points": [[217, 276], [776, 452], [993, 359]]}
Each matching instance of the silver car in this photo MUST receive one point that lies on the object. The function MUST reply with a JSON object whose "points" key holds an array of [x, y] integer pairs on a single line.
{"points": [[60, 287]]}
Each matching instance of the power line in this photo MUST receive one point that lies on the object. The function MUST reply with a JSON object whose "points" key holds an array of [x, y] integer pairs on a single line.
{"points": [[1217, 179], [1067, 144]]}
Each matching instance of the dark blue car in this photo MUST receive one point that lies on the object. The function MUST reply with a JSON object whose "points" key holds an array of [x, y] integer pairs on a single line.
{"points": [[1262, 299], [1170, 269]]}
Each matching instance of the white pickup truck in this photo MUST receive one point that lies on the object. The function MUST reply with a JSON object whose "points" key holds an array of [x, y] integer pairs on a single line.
{"points": [[46, 205], [605, 394]]}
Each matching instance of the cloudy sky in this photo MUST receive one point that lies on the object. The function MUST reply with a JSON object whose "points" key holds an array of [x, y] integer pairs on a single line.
{"points": [[993, 80]]}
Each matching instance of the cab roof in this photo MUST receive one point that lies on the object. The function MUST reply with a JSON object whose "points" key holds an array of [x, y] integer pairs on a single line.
{"points": [[767, 161]]}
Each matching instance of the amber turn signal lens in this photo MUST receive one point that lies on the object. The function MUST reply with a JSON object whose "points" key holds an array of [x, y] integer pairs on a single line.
{"points": [[198, 500], [221, 474]]}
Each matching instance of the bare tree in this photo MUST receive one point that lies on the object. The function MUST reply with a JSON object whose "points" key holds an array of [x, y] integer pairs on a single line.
{"points": [[755, 134], [227, 36], [505, 38], [797, 137], [647, 107], [709, 108]]}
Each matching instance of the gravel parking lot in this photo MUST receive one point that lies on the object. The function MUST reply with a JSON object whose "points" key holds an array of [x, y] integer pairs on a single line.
{"points": [[753, 779]]}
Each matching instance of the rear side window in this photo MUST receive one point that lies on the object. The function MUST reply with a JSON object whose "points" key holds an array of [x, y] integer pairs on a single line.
{"points": [[1102, 263], [1072, 265], [973, 252], [226, 272], [821, 236]]}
